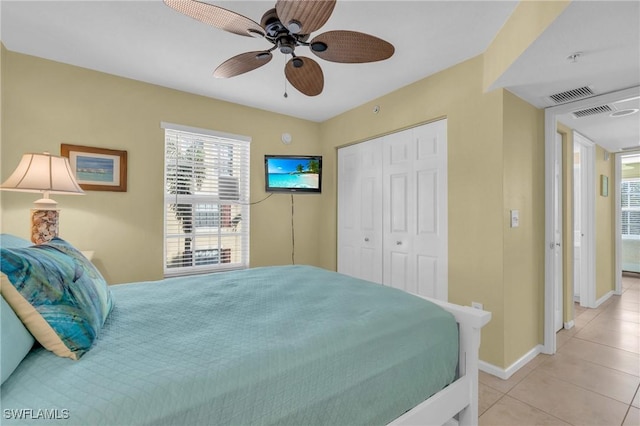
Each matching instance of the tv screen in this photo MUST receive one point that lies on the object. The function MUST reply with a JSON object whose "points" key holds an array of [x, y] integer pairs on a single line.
{"points": [[293, 173]]}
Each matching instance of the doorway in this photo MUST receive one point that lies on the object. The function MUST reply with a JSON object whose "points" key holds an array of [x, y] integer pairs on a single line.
{"points": [[557, 208], [628, 206], [550, 288], [583, 221]]}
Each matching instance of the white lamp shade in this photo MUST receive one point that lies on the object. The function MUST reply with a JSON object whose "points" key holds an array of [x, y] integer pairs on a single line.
{"points": [[43, 173]]}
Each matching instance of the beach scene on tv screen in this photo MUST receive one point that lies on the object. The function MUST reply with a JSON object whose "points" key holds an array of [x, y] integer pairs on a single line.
{"points": [[293, 173]]}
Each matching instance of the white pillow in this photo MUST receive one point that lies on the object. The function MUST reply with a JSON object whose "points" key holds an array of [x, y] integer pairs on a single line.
{"points": [[15, 341]]}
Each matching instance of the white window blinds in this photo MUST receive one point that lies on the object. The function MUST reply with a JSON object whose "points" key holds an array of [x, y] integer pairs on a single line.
{"points": [[630, 208], [206, 221]]}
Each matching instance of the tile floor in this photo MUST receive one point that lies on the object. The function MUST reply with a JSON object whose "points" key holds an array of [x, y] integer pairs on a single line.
{"points": [[593, 378]]}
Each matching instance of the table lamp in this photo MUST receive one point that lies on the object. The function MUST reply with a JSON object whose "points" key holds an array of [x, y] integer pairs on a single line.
{"points": [[48, 174]]}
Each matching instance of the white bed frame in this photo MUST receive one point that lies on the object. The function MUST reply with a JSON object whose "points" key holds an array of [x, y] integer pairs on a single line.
{"points": [[460, 397]]}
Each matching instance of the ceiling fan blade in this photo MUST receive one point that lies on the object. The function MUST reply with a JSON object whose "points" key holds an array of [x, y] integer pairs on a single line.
{"points": [[305, 75], [242, 63], [217, 17], [351, 47], [304, 16]]}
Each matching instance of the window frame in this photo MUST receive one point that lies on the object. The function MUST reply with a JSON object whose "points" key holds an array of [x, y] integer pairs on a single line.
{"points": [[629, 208], [220, 190]]}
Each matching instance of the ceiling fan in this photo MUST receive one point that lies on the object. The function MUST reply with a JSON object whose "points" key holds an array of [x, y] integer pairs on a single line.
{"points": [[288, 26]]}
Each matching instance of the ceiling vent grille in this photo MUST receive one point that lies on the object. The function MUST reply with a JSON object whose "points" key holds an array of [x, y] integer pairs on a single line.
{"points": [[572, 95], [587, 112]]}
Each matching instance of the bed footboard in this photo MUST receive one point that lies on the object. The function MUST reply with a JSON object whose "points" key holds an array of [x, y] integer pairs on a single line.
{"points": [[461, 397]]}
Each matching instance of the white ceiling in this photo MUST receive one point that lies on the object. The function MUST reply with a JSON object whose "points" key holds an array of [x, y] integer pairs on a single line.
{"points": [[148, 41]]}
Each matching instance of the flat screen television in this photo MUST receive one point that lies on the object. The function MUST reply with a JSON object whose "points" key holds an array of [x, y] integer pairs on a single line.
{"points": [[293, 173]]}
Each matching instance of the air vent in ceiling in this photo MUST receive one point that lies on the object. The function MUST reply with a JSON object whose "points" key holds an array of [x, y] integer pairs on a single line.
{"points": [[572, 95], [601, 109]]}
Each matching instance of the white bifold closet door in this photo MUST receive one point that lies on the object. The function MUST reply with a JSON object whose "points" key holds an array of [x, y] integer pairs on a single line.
{"points": [[392, 210], [360, 211]]}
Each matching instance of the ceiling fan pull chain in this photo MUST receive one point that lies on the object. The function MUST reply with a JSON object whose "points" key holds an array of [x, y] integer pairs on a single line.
{"points": [[285, 80]]}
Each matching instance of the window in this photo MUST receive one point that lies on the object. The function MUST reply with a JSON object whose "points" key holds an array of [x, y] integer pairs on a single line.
{"points": [[630, 200], [206, 191]]}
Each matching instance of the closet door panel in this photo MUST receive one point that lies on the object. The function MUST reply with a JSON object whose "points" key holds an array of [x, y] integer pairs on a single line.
{"points": [[348, 249], [430, 245], [427, 273], [369, 207], [398, 203], [398, 269], [399, 210], [368, 264], [360, 211], [427, 196]]}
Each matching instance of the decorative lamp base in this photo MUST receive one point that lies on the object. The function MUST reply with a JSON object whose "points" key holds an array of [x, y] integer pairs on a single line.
{"points": [[44, 225]]}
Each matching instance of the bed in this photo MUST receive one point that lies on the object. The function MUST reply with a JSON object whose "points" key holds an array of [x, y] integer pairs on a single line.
{"points": [[292, 345]]}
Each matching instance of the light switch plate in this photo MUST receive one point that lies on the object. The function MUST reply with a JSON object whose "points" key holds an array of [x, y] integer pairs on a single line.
{"points": [[515, 218]]}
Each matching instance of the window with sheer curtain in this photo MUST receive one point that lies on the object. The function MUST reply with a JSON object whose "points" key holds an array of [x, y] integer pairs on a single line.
{"points": [[206, 208]]}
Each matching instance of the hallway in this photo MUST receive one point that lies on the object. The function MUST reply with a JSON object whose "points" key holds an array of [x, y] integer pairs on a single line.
{"points": [[593, 379]]}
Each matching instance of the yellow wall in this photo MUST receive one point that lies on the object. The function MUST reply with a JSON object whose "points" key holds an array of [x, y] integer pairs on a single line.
{"points": [[527, 22], [47, 103], [493, 166], [523, 183], [478, 191], [605, 226]]}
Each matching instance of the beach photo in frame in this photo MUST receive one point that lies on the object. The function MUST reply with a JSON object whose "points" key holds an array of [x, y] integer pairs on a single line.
{"points": [[97, 169]]}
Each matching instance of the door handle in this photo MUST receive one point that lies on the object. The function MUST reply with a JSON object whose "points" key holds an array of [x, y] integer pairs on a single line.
{"points": [[366, 239], [398, 243]]}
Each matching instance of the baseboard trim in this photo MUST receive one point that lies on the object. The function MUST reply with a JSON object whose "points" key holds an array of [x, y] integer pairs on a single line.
{"points": [[604, 298], [504, 374], [569, 325]]}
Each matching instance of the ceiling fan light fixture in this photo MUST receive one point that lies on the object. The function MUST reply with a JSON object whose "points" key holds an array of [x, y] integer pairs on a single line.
{"points": [[294, 26], [319, 46], [297, 62], [287, 45], [262, 56]]}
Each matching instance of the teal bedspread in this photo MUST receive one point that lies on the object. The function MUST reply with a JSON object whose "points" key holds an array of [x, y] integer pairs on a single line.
{"points": [[293, 345]]}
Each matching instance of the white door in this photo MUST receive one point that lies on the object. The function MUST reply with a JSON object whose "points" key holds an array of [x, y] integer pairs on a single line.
{"points": [[577, 221], [415, 210], [557, 244], [584, 216], [360, 211]]}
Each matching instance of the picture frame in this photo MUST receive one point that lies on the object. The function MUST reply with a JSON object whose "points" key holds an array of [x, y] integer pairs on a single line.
{"points": [[604, 185], [97, 169]]}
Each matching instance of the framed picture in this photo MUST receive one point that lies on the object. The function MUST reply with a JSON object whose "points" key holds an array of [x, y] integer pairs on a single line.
{"points": [[97, 169], [604, 185]]}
